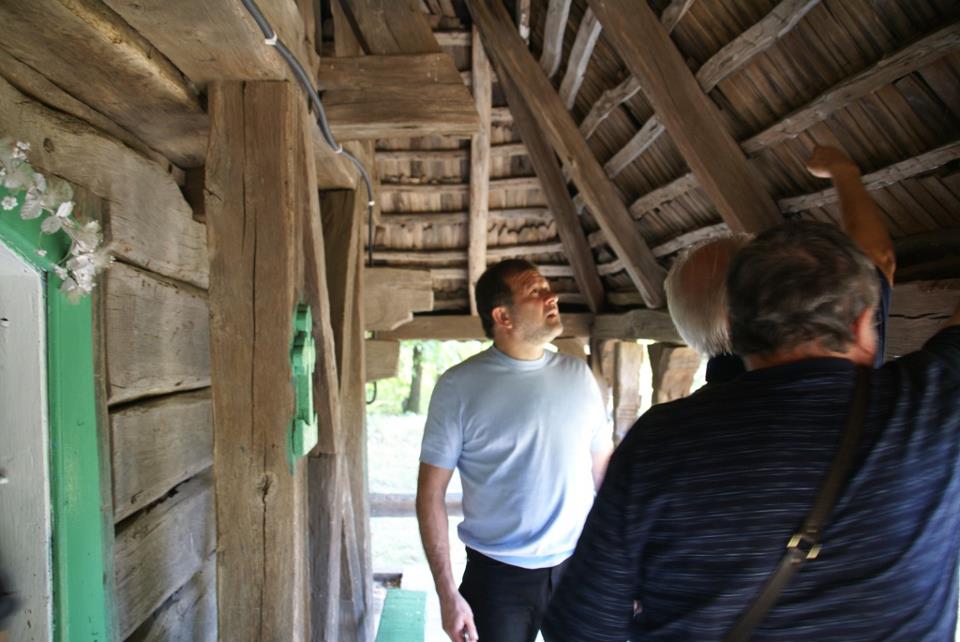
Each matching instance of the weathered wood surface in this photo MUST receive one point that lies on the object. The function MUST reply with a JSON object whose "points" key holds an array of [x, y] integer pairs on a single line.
{"points": [[327, 486], [514, 61], [553, 30], [254, 227], [674, 13], [628, 359], [655, 325], [157, 445], [663, 194], [554, 187], [466, 328], [573, 346], [496, 184], [918, 311], [645, 137], [501, 150], [903, 61], [673, 369], [392, 295], [148, 221], [382, 359], [404, 505], [523, 19], [500, 215], [587, 35], [157, 552], [157, 335], [89, 51], [189, 614], [386, 27], [688, 115], [479, 169], [395, 96]]}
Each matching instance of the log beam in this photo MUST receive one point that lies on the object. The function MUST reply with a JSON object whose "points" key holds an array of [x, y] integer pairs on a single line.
{"points": [[628, 359], [479, 169], [587, 35], [391, 296], [556, 24]]}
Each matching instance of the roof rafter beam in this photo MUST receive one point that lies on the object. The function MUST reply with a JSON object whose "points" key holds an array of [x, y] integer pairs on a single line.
{"points": [[587, 35], [556, 24]]}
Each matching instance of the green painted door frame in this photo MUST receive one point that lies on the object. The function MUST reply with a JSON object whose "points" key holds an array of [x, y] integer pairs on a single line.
{"points": [[80, 600]]}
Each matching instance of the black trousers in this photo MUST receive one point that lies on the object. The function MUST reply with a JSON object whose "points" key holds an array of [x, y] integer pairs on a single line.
{"points": [[508, 602]]}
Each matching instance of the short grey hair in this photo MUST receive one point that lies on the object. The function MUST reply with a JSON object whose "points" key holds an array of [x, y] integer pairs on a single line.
{"points": [[797, 283], [697, 293]]}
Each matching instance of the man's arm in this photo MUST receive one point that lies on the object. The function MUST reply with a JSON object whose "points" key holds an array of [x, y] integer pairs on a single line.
{"points": [[600, 460], [862, 220], [432, 516]]}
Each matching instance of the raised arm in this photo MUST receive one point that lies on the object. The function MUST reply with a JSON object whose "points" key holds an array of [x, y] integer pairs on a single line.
{"points": [[862, 220], [434, 533]]}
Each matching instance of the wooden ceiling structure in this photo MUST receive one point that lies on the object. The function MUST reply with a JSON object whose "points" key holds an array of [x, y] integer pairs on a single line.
{"points": [[621, 133]]}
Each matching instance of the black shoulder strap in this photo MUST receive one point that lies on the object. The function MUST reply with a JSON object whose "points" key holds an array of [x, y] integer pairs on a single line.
{"points": [[805, 544]]}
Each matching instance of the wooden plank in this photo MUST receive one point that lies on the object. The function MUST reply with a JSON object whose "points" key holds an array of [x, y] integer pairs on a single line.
{"points": [[502, 150], [608, 101], [326, 526], [477, 221], [654, 325], [455, 327], [628, 359], [189, 614], [157, 335], [917, 311], [688, 115], [160, 550], [554, 187], [496, 184], [452, 38], [256, 132], [391, 26], [148, 221], [895, 65], [391, 296], [573, 346], [157, 445], [514, 61], [645, 137], [674, 13], [383, 359], [501, 116], [395, 96], [332, 170], [210, 40], [664, 194], [89, 51], [587, 35], [673, 368], [761, 36], [885, 177], [554, 27], [404, 505], [496, 216]]}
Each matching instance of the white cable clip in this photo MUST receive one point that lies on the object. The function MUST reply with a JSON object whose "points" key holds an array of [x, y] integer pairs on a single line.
{"points": [[272, 40], [371, 203], [339, 149]]}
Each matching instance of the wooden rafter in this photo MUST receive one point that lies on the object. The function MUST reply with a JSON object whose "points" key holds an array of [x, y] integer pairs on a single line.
{"points": [[479, 168], [558, 198], [391, 26], [496, 184], [674, 13], [587, 36], [502, 150], [556, 24], [527, 214], [513, 59], [523, 19], [688, 114]]}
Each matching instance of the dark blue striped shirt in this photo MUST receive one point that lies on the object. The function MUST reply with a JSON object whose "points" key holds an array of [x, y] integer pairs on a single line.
{"points": [[703, 494]]}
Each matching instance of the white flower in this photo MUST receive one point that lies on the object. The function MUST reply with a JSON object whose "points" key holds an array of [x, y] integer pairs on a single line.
{"points": [[60, 271], [85, 238], [18, 177], [59, 219], [56, 192], [8, 203], [32, 207], [22, 146]]}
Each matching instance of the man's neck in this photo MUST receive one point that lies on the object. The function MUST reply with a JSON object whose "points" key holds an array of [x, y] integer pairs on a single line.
{"points": [[517, 349], [811, 350]]}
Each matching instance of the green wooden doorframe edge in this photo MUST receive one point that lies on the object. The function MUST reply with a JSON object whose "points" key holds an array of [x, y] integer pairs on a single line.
{"points": [[79, 580]]}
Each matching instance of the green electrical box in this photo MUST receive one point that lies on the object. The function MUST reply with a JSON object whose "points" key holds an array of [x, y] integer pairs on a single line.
{"points": [[303, 359]]}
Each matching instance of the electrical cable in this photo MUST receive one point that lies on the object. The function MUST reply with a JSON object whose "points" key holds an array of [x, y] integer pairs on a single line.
{"points": [[273, 40]]}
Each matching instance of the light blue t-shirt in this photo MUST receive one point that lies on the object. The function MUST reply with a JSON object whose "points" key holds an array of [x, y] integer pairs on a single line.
{"points": [[521, 433]]}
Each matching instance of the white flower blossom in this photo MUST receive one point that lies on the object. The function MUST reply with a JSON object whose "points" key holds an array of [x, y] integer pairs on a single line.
{"points": [[22, 146], [9, 203], [32, 208], [41, 252], [60, 271]]}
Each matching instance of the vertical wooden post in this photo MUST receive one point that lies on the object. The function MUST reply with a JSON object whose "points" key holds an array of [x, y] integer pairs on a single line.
{"points": [[479, 169], [254, 208], [673, 368], [628, 357], [601, 363]]}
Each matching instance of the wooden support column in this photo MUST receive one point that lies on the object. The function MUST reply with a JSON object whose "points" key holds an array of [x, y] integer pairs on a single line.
{"points": [[673, 368], [254, 204], [601, 363], [688, 115], [479, 169], [628, 358], [514, 62], [554, 188]]}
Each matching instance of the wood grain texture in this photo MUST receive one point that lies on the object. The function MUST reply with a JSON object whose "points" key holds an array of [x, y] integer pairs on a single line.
{"points": [[327, 486], [917, 311], [554, 186], [189, 614], [148, 221], [587, 35], [628, 358], [255, 238], [674, 13], [513, 60], [467, 328], [382, 359], [673, 368], [391, 296], [479, 169], [160, 550], [89, 51], [555, 25], [157, 445], [157, 335], [688, 115], [655, 325], [386, 27]]}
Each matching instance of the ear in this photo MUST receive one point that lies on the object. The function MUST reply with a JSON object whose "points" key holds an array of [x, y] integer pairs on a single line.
{"points": [[501, 317], [864, 347]]}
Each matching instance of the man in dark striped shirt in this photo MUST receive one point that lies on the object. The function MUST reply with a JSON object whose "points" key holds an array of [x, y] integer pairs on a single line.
{"points": [[702, 496]]}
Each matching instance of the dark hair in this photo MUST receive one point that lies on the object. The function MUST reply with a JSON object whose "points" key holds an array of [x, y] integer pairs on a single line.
{"points": [[798, 282], [492, 289]]}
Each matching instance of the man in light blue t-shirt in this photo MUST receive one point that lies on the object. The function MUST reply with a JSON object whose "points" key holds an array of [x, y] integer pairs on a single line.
{"points": [[528, 431]]}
